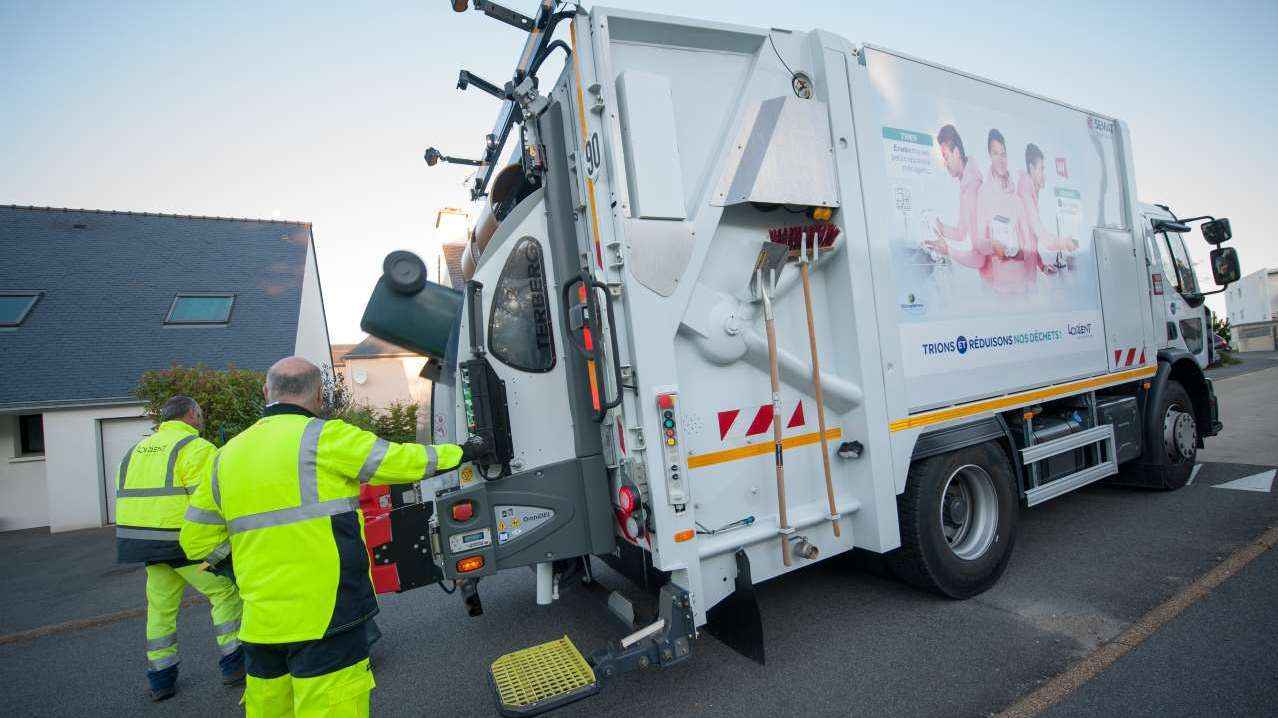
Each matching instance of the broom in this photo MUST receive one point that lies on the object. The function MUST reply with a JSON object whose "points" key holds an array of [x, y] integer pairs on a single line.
{"points": [[806, 246]]}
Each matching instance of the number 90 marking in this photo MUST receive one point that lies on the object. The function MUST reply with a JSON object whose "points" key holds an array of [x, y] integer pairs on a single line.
{"points": [[593, 156]]}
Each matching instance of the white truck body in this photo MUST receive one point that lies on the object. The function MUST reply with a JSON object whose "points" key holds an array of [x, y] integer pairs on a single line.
{"points": [[672, 147]]}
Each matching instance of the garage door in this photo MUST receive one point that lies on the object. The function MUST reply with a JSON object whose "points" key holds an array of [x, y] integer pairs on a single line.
{"points": [[117, 437]]}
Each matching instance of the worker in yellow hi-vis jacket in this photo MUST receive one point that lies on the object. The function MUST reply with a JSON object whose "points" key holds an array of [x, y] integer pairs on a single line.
{"points": [[154, 483], [283, 502]]}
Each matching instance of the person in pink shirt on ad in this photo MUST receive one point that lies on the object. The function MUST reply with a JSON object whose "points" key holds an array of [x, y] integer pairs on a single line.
{"points": [[1037, 237], [969, 178], [998, 249]]}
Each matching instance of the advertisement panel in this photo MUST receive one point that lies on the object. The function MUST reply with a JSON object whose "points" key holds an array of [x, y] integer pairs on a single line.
{"points": [[991, 200]]}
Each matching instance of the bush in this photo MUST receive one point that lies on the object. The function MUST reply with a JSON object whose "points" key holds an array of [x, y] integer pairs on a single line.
{"points": [[231, 398], [232, 402], [398, 423]]}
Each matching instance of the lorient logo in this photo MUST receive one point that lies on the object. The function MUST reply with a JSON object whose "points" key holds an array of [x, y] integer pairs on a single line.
{"points": [[1079, 330]]}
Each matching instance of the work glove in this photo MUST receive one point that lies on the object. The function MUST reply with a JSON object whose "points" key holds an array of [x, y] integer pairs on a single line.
{"points": [[475, 447]]}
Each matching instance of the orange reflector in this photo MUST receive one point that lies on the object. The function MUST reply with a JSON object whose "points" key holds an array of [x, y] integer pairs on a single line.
{"points": [[822, 214], [684, 535], [470, 563], [1147, 385], [594, 384], [1028, 415]]}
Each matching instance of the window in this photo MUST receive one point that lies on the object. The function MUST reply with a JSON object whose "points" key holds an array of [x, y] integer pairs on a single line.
{"points": [[14, 307], [30, 435], [1178, 266], [519, 327], [200, 309]]}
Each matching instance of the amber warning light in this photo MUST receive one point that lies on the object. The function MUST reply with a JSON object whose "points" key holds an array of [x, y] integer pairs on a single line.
{"points": [[470, 563]]}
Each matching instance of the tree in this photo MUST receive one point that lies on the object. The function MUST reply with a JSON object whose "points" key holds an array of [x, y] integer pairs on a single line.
{"points": [[1221, 327]]}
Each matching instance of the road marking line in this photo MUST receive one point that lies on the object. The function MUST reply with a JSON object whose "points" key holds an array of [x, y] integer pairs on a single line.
{"points": [[1061, 686], [85, 623], [1262, 482], [1193, 473]]}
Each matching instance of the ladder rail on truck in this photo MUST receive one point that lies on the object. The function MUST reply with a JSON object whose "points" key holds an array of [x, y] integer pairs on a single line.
{"points": [[610, 339]]}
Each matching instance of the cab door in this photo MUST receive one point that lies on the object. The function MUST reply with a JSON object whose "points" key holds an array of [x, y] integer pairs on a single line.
{"points": [[1187, 325]]}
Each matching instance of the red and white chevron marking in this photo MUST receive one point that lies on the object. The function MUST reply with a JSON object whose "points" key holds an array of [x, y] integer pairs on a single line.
{"points": [[1127, 357], [742, 424]]}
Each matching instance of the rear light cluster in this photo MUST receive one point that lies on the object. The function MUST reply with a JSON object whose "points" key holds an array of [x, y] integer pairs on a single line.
{"points": [[630, 514]]}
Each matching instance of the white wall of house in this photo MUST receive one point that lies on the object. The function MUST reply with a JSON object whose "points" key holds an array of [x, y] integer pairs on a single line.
{"points": [[312, 326], [24, 499], [387, 380], [74, 463]]}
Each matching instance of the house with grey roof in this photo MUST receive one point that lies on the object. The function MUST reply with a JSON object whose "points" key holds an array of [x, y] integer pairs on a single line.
{"points": [[90, 299]]}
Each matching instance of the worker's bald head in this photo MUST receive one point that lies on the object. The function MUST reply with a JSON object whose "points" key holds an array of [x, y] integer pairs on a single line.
{"points": [[294, 380]]}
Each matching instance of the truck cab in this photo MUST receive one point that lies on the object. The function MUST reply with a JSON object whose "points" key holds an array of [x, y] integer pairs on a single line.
{"points": [[1181, 320]]}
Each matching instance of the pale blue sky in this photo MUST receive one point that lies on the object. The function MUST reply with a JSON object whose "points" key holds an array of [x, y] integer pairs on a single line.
{"points": [[320, 110]]}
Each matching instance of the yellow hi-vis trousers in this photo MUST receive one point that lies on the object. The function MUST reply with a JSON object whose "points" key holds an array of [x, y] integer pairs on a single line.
{"points": [[344, 693], [164, 587]]}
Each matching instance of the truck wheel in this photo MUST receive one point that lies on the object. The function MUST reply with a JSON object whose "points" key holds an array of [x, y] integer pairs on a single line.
{"points": [[958, 521], [1172, 460]]}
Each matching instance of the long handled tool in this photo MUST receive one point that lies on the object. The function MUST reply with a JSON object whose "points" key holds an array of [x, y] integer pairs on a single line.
{"points": [[819, 238], [771, 261]]}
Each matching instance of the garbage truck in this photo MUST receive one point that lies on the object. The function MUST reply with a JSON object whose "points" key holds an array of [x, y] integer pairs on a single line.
{"points": [[744, 299]]}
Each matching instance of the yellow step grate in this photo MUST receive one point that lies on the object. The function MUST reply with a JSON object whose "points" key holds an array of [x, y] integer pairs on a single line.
{"points": [[538, 678]]}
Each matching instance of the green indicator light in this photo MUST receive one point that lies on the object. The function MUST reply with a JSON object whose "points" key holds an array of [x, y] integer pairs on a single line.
{"points": [[669, 423]]}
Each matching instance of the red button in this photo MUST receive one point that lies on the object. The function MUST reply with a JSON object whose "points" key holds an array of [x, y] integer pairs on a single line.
{"points": [[463, 511], [665, 401]]}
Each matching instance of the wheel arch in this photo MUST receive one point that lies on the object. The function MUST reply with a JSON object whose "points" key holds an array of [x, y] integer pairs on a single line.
{"points": [[1179, 365], [952, 438]]}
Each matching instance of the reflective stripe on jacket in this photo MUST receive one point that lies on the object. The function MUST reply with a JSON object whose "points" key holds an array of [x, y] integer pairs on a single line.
{"points": [[283, 500], [153, 487]]}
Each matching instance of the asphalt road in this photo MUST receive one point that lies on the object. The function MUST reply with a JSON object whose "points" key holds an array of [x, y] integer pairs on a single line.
{"points": [[840, 641], [1248, 362]]}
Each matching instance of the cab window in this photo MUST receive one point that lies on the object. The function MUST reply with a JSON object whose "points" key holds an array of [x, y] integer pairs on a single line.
{"points": [[519, 326], [1177, 265]]}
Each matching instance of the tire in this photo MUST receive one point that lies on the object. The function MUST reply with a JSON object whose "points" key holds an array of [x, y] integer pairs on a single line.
{"points": [[1168, 464], [961, 551]]}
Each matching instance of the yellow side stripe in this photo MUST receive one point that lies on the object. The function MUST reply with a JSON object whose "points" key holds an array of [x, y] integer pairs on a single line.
{"points": [[744, 452], [581, 114], [576, 71], [1014, 400]]}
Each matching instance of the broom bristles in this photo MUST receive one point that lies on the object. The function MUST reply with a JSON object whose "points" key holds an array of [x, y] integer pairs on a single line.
{"points": [[795, 237]]}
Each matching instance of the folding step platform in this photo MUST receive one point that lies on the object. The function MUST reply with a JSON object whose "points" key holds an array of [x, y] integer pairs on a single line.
{"points": [[540, 678]]}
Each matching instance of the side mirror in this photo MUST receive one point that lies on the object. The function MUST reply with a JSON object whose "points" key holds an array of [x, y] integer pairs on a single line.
{"points": [[1217, 232], [1224, 261]]}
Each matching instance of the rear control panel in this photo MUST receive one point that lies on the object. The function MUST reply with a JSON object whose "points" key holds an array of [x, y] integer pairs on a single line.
{"points": [[671, 450]]}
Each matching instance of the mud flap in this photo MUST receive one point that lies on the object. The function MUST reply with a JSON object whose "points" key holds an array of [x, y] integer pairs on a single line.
{"points": [[736, 620]]}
